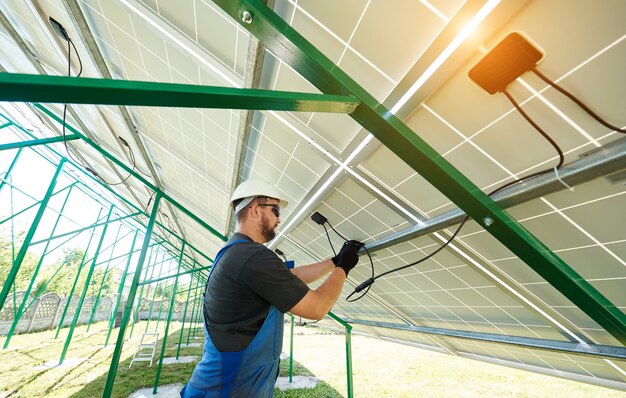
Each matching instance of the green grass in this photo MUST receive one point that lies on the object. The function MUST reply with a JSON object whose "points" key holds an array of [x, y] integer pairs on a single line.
{"points": [[381, 369]]}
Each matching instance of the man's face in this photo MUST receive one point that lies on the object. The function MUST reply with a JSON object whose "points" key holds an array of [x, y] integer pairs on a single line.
{"points": [[269, 221]]}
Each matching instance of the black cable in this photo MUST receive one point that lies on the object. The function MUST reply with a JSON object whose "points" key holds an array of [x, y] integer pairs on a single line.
{"points": [[366, 251], [340, 235], [132, 159], [577, 102], [536, 126], [329, 241], [372, 278], [369, 282], [70, 45]]}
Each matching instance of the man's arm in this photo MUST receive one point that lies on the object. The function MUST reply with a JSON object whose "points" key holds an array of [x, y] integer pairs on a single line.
{"points": [[312, 272], [316, 303]]}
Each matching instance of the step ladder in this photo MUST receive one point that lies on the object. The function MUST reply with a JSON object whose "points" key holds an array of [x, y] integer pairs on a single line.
{"points": [[147, 348]]}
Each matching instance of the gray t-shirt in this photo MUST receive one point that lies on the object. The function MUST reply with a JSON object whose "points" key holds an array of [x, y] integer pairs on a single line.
{"points": [[247, 279]]}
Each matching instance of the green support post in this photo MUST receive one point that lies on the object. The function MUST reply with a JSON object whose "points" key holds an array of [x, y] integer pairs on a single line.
{"points": [[79, 306], [120, 289], [80, 268], [169, 319], [29, 236], [182, 326], [154, 293], [348, 352], [8, 172], [128, 308], [19, 313], [145, 275], [96, 303], [291, 349], [193, 314]]}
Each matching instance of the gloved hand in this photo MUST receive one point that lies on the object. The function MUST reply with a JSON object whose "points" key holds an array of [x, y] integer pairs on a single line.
{"points": [[348, 256]]}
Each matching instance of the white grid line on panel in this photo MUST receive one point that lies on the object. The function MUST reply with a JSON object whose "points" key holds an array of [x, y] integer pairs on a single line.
{"points": [[340, 40], [47, 32], [559, 112], [547, 213], [587, 234], [602, 51], [363, 208], [219, 11], [185, 47], [620, 370], [507, 286], [522, 172], [195, 19], [435, 11], [143, 61], [392, 189], [477, 291], [443, 56], [291, 156], [278, 145], [445, 307], [356, 26]]}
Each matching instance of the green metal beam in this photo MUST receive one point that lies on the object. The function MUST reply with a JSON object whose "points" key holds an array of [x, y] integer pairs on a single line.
{"points": [[29, 237], [348, 328], [128, 308], [306, 59], [42, 141], [175, 275], [7, 173], [169, 320], [74, 90], [83, 294]]}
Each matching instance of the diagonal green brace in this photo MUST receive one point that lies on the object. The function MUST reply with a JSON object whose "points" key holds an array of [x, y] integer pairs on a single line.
{"points": [[73, 90], [295, 50], [42, 141]]}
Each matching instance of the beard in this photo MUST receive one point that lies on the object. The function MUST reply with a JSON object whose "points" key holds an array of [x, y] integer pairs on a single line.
{"points": [[267, 232]]}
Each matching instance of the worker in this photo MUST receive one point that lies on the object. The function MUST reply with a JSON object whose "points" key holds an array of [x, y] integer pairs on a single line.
{"points": [[247, 293]]}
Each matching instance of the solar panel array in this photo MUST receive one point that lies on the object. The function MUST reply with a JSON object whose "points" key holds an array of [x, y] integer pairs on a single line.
{"points": [[329, 163]]}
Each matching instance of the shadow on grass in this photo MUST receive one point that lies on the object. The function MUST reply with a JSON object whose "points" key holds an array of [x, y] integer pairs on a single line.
{"points": [[129, 380]]}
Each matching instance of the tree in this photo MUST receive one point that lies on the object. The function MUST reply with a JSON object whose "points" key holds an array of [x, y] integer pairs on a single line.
{"points": [[9, 248]]}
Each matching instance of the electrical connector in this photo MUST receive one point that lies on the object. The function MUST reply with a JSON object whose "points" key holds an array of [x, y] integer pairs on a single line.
{"points": [[59, 29], [507, 61], [318, 218]]}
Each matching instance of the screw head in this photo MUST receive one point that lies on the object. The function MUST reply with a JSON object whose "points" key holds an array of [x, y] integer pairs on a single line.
{"points": [[487, 221], [246, 17]]}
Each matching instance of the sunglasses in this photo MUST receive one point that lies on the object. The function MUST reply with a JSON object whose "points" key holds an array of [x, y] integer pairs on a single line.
{"points": [[275, 208]]}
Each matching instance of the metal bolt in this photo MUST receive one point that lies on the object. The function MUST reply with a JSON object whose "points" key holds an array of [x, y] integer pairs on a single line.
{"points": [[246, 17], [487, 221]]}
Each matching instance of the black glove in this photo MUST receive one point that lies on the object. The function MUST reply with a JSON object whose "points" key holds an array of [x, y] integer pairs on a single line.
{"points": [[348, 256]]}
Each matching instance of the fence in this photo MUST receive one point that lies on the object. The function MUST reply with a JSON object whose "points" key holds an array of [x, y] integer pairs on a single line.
{"points": [[46, 311]]}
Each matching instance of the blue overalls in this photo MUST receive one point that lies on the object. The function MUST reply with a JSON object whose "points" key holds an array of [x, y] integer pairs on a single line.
{"points": [[251, 372]]}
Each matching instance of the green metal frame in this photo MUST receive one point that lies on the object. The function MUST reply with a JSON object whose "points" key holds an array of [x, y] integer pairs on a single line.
{"points": [[340, 94], [42, 141], [68, 339], [306, 59], [29, 236], [348, 329], [73, 90], [128, 308]]}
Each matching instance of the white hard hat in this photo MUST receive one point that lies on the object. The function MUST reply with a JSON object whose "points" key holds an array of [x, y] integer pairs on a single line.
{"points": [[252, 188]]}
